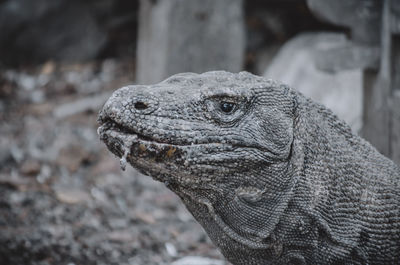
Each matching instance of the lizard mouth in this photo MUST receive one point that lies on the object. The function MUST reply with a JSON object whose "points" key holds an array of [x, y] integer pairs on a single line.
{"points": [[135, 147], [108, 126], [119, 138]]}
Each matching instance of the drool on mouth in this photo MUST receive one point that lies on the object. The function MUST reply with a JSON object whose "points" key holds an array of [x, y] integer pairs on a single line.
{"points": [[127, 143]]}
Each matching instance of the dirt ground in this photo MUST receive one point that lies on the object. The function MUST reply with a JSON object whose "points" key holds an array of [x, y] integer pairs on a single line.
{"points": [[63, 196]]}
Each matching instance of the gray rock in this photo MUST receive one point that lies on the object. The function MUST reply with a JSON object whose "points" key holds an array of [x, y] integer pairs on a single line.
{"points": [[362, 16], [193, 260], [188, 36], [80, 105], [373, 24], [296, 65]]}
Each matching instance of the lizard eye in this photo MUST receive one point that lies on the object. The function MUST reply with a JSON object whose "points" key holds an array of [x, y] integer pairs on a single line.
{"points": [[227, 107]]}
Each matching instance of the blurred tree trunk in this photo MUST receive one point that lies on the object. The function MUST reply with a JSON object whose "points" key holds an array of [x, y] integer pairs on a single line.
{"points": [[189, 36]]}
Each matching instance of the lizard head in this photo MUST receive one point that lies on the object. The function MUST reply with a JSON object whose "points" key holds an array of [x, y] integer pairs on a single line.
{"points": [[191, 129], [219, 138]]}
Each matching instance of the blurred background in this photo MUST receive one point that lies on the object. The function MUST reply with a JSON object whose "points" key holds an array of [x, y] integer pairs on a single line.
{"points": [[63, 197]]}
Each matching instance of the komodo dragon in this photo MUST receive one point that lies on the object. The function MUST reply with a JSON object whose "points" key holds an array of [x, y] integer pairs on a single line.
{"points": [[273, 177]]}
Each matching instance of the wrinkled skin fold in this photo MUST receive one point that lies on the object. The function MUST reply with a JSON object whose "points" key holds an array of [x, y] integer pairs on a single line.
{"points": [[273, 177]]}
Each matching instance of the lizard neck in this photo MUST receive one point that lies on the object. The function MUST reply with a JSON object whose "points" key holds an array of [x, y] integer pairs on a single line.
{"points": [[338, 183]]}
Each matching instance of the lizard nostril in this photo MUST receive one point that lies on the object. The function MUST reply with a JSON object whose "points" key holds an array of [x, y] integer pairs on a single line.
{"points": [[140, 105]]}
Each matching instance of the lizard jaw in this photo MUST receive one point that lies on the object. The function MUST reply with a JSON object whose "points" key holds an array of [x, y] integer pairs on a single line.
{"points": [[168, 163], [135, 147], [160, 161]]}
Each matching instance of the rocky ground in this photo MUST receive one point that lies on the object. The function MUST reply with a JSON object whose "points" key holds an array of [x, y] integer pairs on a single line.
{"points": [[63, 197]]}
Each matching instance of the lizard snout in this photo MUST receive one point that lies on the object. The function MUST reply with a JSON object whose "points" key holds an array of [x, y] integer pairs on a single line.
{"points": [[128, 103], [141, 104]]}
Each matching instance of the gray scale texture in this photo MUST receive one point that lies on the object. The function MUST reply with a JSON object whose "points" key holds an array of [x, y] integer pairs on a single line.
{"points": [[275, 179]]}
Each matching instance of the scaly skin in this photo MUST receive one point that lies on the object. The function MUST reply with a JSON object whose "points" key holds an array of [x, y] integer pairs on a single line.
{"points": [[273, 177]]}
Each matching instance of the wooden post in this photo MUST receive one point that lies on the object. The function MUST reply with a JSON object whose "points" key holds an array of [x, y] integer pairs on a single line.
{"points": [[382, 108], [395, 103], [395, 132], [376, 128]]}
